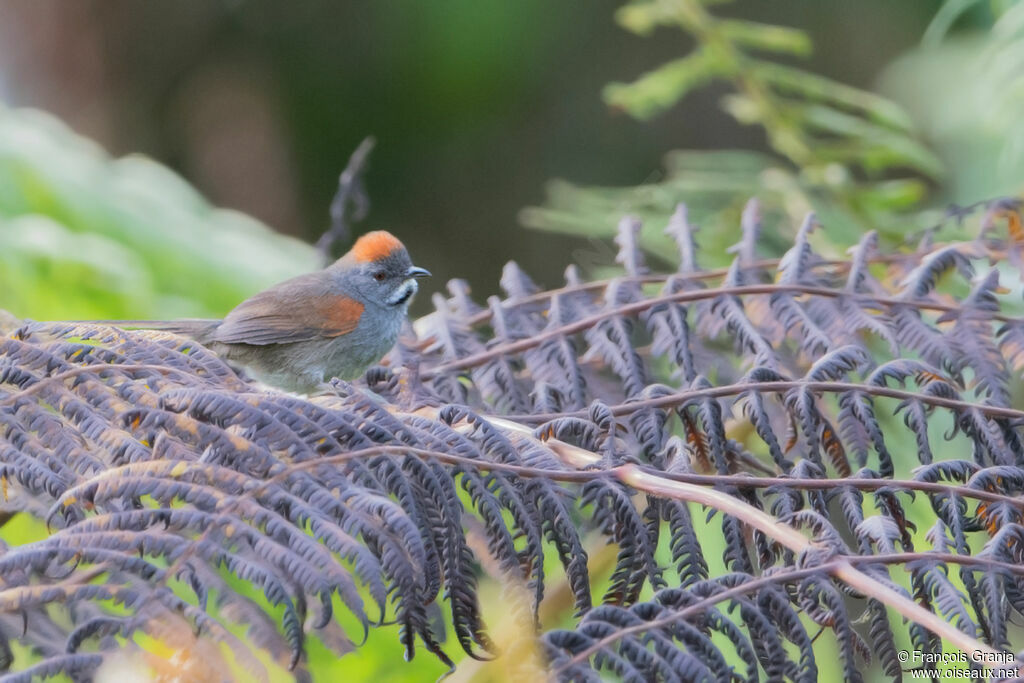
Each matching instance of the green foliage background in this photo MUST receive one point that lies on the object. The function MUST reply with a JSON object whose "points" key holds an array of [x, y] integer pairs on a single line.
{"points": [[83, 235]]}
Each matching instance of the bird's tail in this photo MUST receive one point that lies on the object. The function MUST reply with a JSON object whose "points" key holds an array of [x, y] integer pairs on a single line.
{"points": [[199, 329]]}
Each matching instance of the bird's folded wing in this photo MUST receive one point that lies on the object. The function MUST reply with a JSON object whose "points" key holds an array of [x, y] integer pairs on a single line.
{"points": [[298, 310]]}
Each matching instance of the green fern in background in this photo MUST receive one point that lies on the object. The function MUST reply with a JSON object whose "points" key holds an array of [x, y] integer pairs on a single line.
{"points": [[847, 154]]}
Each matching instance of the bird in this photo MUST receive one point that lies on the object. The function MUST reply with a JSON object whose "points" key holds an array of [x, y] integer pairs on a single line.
{"points": [[299, 334]]}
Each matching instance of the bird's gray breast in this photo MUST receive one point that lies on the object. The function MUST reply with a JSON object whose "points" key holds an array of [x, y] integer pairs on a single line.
{"points": [[353, 353]]}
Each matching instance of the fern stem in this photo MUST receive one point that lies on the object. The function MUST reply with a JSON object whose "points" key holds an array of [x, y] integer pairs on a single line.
{"points": [[582, 458], [726, 390], [841, 569], [785, 137], [571, 455], [804, 484]]}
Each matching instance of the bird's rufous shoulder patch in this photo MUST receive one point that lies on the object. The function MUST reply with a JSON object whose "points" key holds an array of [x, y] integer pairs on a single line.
{"points": [[338, 315], [374, 246]]}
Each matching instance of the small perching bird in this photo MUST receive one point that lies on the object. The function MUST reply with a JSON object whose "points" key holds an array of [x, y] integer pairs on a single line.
{"points": [[300, 333]]}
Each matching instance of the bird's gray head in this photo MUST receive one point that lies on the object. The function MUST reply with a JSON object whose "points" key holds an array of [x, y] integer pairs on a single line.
{"points": [[384, 272]]}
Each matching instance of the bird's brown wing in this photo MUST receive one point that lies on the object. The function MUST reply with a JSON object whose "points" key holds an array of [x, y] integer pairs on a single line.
{"points": [[301, 309]]}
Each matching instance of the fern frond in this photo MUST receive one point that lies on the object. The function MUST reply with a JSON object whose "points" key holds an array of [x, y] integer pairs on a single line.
{"points": [[510, 438]]}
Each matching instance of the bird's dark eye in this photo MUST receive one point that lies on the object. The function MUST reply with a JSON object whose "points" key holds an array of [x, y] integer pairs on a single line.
{"points": [[379, 276]]}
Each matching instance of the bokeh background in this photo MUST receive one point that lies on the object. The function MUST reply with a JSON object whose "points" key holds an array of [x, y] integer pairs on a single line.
{"points": [[170, 159], [475, 104]]}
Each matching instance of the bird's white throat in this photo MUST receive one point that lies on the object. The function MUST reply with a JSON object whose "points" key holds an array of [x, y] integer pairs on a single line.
{"points": [[404, 292]]}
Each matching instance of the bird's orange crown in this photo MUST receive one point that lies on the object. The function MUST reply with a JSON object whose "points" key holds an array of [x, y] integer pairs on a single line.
{"points": [[374, 246]]}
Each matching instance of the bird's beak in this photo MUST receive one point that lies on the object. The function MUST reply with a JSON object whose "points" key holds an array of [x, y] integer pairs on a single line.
{"points": [[416, 271]]}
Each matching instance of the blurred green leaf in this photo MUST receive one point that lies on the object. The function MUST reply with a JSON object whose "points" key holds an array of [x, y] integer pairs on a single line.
{"points": [[660, 89], [794, 81], [85, 236], [643, 18], [767, 37], [874, 147], [966, 92], [943, 21]]}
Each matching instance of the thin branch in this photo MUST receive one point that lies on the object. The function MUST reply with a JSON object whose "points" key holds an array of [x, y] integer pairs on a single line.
{"points": [[351, 202]]}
